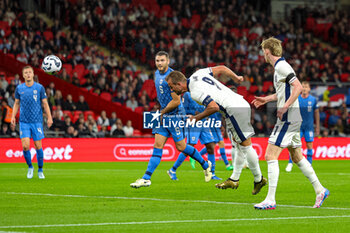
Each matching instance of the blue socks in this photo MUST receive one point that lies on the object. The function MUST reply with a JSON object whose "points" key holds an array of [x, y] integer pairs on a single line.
{"points": [[178, 162], [153, 163], [211, 158], [203, 151], [28, 158], [223, 156], [193, 153], [309, 154], [40, 158], [290, 159]]}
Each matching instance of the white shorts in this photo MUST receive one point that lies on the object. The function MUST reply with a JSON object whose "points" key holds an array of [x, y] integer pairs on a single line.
{"points": [[238, 124], [286, 134]]}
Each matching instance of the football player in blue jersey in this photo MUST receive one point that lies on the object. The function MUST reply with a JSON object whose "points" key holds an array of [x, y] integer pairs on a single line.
{"points": [[193, 134], [309, 111], [171, 107], [29, 98], [219, 140]]}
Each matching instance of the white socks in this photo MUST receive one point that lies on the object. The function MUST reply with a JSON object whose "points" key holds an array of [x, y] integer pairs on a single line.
{"points": [[273, 173], [309, 172], [253, 161], [238, 163]]}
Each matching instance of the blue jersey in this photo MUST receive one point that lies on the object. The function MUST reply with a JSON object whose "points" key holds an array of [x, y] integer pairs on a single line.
{"points": [[164, 91], [191, 106], [307, 109], [30, 102], [216, 116]]}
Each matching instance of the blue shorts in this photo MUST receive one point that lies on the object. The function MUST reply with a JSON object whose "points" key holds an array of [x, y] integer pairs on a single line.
{"points": [[178, 133], [31, 130], [203, 134], [217, 134], [308, 133]]}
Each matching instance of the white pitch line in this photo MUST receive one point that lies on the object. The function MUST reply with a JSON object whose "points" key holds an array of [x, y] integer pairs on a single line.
{"points": [[165, 200], [178, 221]]}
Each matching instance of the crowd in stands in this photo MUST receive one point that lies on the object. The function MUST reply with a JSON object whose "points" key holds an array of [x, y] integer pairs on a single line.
{"points": [[325, 23], [196, 34], [70, 119]]}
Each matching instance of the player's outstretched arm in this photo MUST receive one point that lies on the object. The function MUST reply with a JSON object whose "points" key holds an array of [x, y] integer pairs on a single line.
{"points": [[48, 112], [14, 112], [297, 88], [211, 108], [260, 101], [174, 103], [226, 72]]}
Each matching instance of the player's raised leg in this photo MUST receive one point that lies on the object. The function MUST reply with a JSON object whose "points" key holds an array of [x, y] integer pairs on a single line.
{"points": [[193, 153], [306, 168]]}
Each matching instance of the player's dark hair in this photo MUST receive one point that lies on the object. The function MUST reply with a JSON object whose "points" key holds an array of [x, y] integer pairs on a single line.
{"points": [[163, 53], [176, 77]]}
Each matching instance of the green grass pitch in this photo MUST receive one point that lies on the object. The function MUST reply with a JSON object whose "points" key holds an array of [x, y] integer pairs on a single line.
{"points": [[96, 197]]}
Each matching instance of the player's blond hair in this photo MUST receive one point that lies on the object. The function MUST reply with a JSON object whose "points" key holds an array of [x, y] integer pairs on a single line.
{"points": [[176, 77], [274, 45], [27, 67]]}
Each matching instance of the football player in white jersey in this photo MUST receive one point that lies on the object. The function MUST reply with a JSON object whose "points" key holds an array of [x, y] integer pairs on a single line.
{"points": [[286, 133], [206, 90]]}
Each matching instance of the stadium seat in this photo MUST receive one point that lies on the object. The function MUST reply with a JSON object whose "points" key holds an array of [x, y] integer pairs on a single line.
{"points": [[68, 68], [346, 59], [166, 10], [75, 118], [106, 96], [151, 104], [236, 31], [149, 87], [80, 69], [137, 133], [139, 109], [48, 35], [266, 85], [253, 89], [196, 21], [344, 77], [77, 113], [87, 113], [68, 113]]}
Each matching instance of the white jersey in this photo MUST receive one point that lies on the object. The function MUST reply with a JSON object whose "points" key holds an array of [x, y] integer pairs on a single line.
{"points": [[284, 75], [204, 88]]}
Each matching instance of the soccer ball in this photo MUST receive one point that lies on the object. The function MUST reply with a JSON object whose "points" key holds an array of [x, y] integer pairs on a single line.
{"points": [[51, 64]]}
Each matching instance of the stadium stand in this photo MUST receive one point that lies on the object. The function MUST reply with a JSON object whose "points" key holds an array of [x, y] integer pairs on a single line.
{"points": [[199, 36]]}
